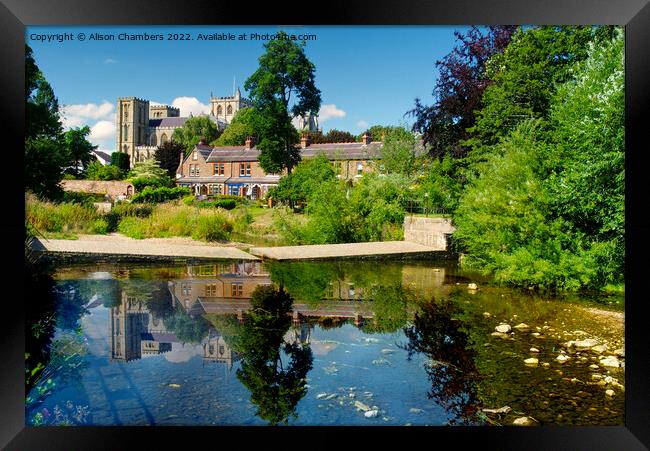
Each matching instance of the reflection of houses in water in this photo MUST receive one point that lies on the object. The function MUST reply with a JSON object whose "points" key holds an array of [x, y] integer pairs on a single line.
{"points": [[215, 349]]}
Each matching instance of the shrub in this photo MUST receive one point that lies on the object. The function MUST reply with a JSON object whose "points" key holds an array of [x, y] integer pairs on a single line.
{"points": [[140, 183], [97, 171], [226, 204], [162, 194], [211, 228], [83, 198], [100, 226], [132, 227], [189, 200], [59, 217]]}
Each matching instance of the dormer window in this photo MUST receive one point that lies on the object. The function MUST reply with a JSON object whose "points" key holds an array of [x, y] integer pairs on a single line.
{"points": [[195, 156]]}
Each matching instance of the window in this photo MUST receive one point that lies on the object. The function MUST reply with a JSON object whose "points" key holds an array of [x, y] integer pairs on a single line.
{"points": [[211, 289], [236, 290], [195, 156], [185, 289], [219, 110], [219, 169], [215, 189], [191, 170], [244, 169], [229, 110], [359, 168]]}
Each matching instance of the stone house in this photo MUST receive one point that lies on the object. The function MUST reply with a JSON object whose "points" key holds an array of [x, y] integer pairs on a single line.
{"points": [[235, 170]]}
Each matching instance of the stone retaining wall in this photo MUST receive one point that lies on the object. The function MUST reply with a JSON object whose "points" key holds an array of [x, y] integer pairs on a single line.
{"points": [[428, 231], [112, 188]]}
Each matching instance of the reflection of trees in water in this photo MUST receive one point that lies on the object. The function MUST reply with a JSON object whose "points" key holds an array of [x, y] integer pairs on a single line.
{"points": [[188, 329], [389, 304], [451, 368], [275, 388]]}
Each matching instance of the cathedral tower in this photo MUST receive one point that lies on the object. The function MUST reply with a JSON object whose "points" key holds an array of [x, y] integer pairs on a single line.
{"points": [[132, 124]]}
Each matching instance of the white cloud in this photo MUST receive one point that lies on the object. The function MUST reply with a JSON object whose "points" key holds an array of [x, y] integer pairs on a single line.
{"points": [[189, 105], [330, 111], [362, 124], [110, 61], [89, 110], [180, 353], [101, 131]]}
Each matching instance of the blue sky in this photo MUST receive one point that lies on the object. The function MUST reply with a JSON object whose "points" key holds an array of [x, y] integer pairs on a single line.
{"points": [[368, 75]]}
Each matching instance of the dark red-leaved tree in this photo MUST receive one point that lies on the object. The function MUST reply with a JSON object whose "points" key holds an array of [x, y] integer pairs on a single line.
{"points": [[458, 90]]}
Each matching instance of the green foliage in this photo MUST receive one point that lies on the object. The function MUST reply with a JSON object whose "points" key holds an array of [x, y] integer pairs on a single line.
{"points": [[60, 217], [121, 160], [284, 70], [45, 148], [524, 78], [82, 198], [186, 328], [338, 136], [157, 195], [246, 123], [98, 171], [78, 149], [167, 220], [226, 204], [195, 129], [168, 157], [212, 228], [150, 169], [399, 153], [381, 132], [439, 186], [304, 180]]}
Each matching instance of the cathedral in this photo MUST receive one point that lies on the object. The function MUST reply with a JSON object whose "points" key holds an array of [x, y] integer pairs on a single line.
{"points": [[142, 127]]}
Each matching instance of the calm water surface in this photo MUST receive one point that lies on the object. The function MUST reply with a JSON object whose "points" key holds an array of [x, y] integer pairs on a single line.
{"points": [[342, 343]]}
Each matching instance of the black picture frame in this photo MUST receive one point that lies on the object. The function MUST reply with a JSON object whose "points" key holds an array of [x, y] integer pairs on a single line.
{"points": [[634, 14]]}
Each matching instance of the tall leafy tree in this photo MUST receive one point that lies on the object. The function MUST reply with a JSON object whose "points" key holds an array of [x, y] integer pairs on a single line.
{"points": [[79, 150], [339, 136], [45, 151], [168, 156], [281, 88], [524, 78], [246, 123], [195, 129], [458, 90]]}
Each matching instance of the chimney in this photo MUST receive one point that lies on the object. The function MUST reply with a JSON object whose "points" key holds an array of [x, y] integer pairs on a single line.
{"points": [[202, 142], [366, 138], [304, 141], [250, 142]]}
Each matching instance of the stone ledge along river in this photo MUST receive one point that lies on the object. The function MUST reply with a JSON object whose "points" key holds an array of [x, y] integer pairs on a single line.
{"points": [[340, 343]]}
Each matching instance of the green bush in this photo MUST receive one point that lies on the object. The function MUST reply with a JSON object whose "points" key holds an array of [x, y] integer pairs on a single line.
{"points": [[83, 198], [211, 228], [132, 227], [162, 194], [59, 217], [189, 200], [100, 226], [226, 204], [97, 171], [140, 183]]}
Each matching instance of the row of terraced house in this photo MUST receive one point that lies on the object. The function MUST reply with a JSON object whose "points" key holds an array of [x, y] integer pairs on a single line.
{"points": [[235, 170]]}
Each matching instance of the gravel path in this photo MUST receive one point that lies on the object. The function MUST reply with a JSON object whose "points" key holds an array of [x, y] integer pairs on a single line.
{"points": [[116, 244]]}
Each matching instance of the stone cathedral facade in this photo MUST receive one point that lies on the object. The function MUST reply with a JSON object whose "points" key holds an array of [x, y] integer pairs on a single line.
{"points": [[142, 127]]}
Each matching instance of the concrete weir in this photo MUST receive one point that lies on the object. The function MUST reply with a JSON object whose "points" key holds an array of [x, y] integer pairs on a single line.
{"points": [[117, 247], [352, 250]]}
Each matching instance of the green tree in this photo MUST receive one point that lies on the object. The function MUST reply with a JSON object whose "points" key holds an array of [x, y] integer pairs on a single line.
{"points": [[523, 80], [79, 150], [194, 130], [304, 180], [338, 136], [149, 173], [45, 151], [246, 123], [399, 153], [284, 71], [121, 160], [379, 132], [168, 156]]}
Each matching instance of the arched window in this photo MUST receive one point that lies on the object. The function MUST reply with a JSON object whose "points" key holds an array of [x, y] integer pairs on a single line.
{"points": [[229, 110], [125, 132], [219, 110], [163, 138]]}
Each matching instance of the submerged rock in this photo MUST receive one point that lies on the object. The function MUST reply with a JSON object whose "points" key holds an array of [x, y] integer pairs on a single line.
{"points": [[582, 344], [611, 361], [371, 413], [534, 350], [361, 406], [472, 286], [522, 326], [414, 410], [610, 392], [321, 395], [562, 358], [599, 349], [531, 361]]}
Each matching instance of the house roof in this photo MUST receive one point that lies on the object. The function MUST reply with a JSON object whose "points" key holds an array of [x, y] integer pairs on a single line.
{"points": [[103, 155], [178, 121]]}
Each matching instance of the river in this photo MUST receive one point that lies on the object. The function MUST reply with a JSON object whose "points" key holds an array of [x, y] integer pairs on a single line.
{"points": [[335, 343]]}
